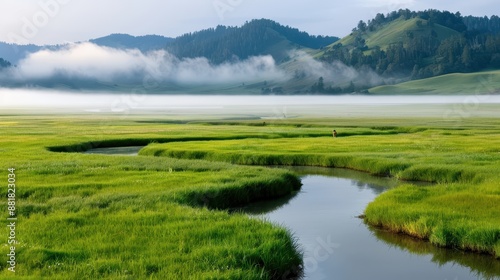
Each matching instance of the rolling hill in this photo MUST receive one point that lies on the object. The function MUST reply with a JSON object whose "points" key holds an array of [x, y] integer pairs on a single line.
{"points": [[487, 82], [398, 31]]}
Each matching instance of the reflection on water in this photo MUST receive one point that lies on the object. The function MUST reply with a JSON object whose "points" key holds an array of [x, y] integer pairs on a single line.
{"points": [[481, 266], [361, 180], [117, 151], [337, 245], [264, 207]]}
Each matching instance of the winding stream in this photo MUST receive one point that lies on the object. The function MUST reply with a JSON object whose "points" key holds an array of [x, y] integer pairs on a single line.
{"points": [[116, 151], [338, 245]]}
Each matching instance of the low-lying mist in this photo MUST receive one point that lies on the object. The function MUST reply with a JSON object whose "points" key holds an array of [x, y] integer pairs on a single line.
{"points": [[85, 63], [278, 107], [335, 73]]}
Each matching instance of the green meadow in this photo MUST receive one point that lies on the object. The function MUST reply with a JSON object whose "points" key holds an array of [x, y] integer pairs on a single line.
{"points": [[460, 211], [109, 217], [166, 214], [487, 82]]}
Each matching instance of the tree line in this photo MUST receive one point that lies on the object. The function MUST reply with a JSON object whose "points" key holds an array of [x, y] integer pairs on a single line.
{"points": [[225, 43], [483, 24]]}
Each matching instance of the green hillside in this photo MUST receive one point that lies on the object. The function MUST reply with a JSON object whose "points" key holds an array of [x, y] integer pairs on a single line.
{"points": [[398, 31], [405, 45], [458, 83]]}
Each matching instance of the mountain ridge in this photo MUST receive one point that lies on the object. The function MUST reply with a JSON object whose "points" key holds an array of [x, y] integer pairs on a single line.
{"points": [[144, 43]]}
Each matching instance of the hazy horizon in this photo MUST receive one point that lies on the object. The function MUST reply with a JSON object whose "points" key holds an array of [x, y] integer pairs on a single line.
{"points": [[31, 101]]}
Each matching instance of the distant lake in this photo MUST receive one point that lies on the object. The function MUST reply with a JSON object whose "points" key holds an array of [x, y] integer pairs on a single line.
{"points": [[266, 106]]}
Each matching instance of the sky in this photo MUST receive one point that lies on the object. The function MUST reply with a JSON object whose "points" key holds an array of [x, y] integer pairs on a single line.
{"points": [[62, 21]]}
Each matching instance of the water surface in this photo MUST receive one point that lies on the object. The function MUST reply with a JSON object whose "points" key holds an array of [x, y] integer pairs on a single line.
{"points": [[117, 151], [338, 245]]}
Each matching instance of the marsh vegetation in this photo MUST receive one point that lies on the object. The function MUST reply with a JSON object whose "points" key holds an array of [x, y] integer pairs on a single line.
{"points": [[168, 208]]}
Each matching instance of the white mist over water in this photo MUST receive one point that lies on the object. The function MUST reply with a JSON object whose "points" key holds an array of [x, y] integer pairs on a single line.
{"points": [[26, 99]]}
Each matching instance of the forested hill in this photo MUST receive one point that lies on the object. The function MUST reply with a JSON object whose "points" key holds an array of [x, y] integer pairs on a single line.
{"points": [[257, 37], [124, 41], [420, 44]]}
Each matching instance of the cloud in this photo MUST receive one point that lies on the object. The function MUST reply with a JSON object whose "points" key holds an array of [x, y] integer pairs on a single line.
{"points": [[90, 66], [87, 61], [199, 70], [335, 73], [81, 61]]}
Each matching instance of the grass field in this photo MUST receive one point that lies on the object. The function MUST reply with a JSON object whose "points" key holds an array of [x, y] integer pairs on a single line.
{"points": [[461, 211], [487, 82], [150, 217], [107, 217]]}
